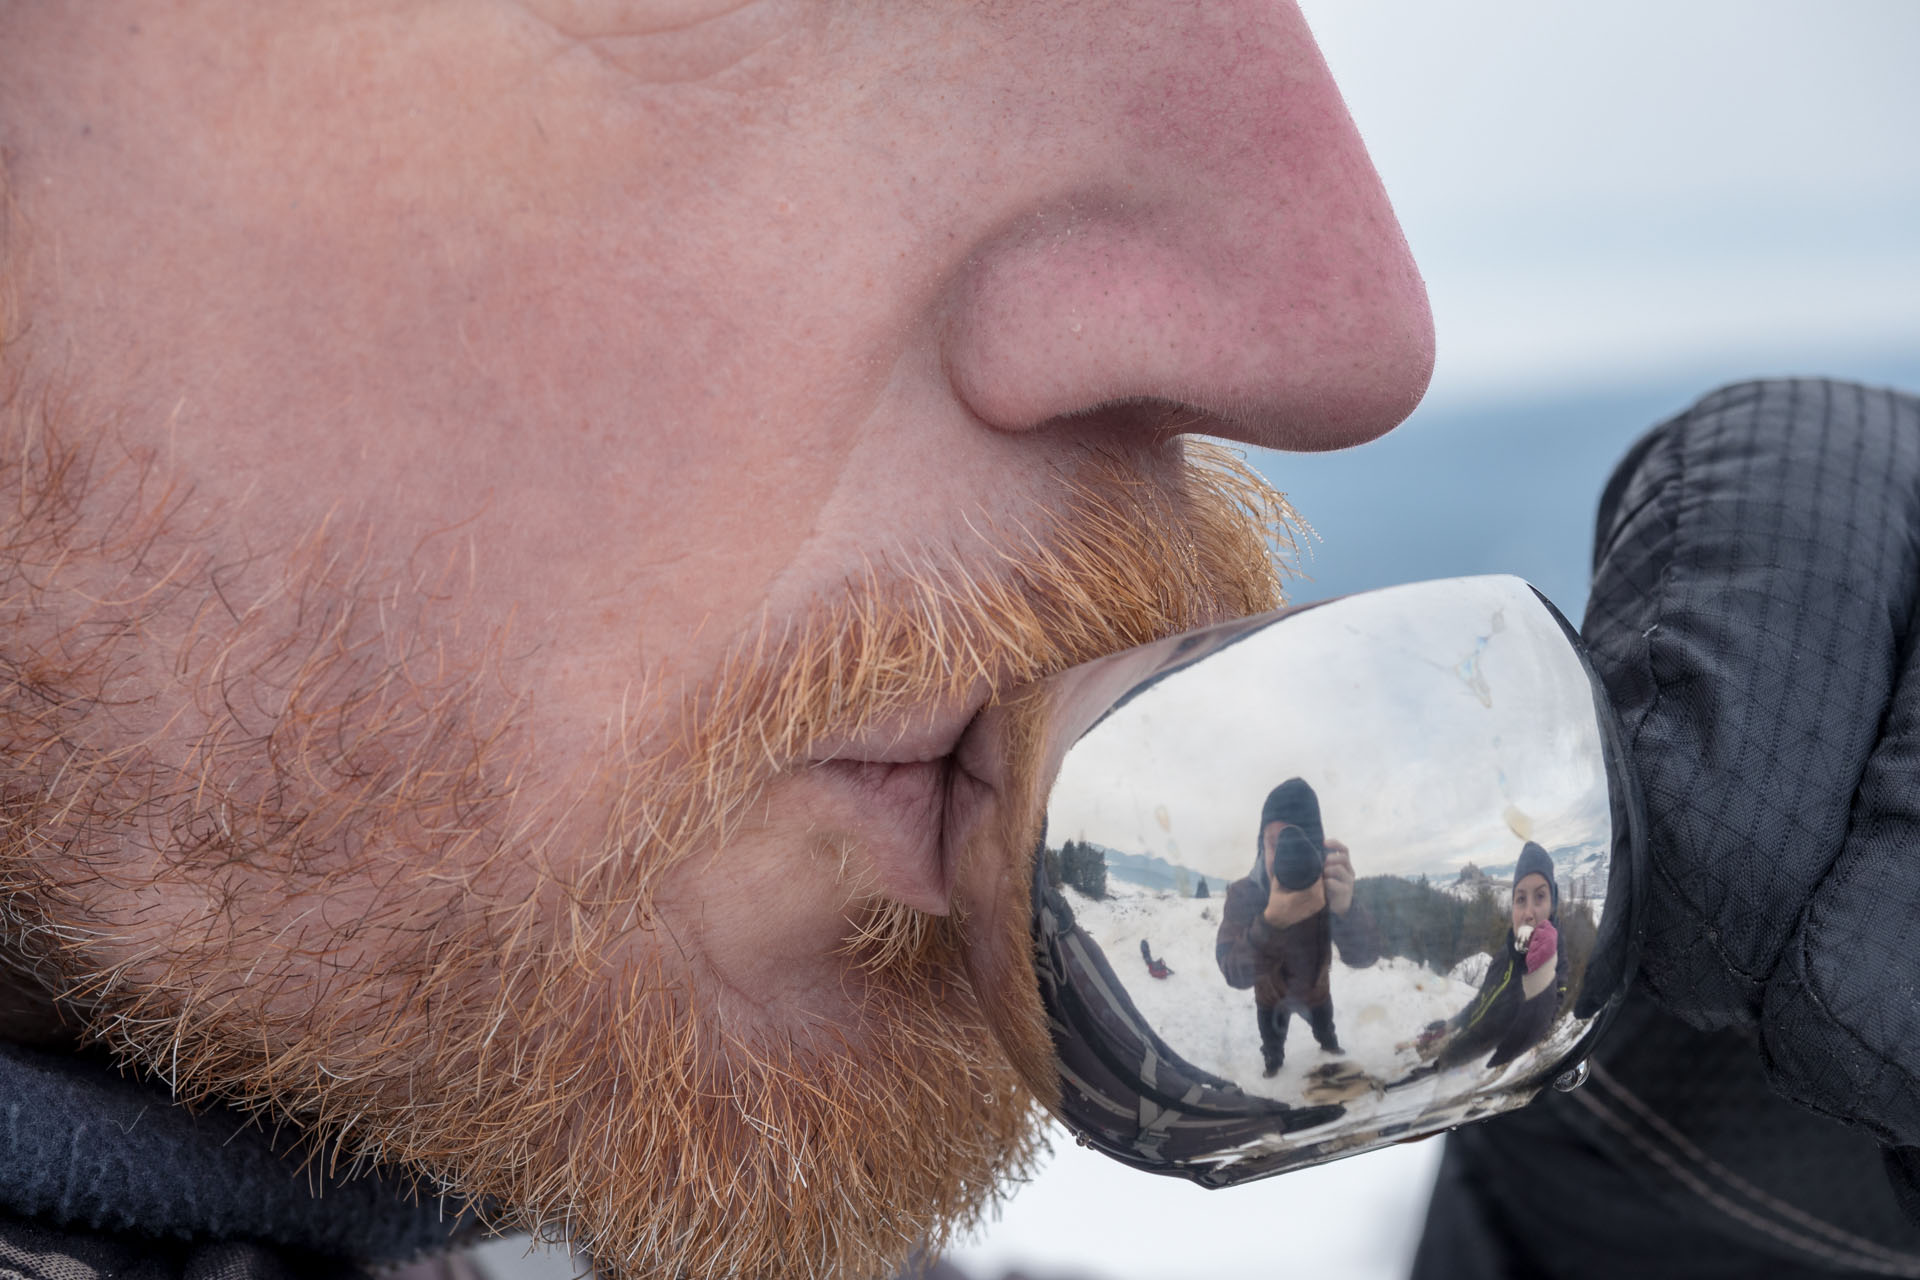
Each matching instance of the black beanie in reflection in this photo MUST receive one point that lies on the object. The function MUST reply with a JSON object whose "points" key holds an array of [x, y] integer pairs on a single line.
{"points": [[1293, 801]]}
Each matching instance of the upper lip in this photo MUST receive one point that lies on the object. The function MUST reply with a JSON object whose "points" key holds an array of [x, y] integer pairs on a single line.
{"points": [[920, 736]]}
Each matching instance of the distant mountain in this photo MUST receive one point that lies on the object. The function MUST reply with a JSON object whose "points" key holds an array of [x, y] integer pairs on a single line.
{"points": [[1580, 869], [1151, 872], [1501, 487]]}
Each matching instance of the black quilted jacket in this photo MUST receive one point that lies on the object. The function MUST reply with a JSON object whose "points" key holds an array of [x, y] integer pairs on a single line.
{"points": [[1755, 1109]]}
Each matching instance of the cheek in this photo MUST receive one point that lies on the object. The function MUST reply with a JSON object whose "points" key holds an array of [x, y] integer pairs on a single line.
{"points": [[766, 915]]}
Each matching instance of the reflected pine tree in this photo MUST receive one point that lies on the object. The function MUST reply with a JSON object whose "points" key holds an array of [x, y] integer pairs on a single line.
{"points": [[1079, 866]]}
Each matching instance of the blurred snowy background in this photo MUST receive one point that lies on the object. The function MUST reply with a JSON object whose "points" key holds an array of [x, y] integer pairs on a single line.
{"points": [[1617, 207]]}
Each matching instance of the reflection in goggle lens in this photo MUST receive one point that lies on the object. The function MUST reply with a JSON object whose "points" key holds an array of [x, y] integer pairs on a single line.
{"points": [[1329, 878]]}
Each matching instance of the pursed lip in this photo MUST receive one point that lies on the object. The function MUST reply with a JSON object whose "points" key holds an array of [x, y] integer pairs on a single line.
{"points": [[903, 793], [919, 736]]}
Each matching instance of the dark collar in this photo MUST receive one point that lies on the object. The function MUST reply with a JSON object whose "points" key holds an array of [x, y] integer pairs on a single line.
{"points": [[83, 1147]]}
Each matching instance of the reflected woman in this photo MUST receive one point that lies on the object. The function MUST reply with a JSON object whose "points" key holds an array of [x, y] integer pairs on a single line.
{"points": [[1526, 983], [1280, 923]]}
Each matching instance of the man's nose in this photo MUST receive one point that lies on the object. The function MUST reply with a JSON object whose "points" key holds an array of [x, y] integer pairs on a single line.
{"points": [[1205, 234]]}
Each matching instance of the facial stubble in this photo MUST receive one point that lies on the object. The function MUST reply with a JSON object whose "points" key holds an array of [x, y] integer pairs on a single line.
{"points": [[390, 952]]}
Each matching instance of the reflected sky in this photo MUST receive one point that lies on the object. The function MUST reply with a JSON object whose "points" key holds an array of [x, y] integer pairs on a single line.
{"points": [[1441, 724]]}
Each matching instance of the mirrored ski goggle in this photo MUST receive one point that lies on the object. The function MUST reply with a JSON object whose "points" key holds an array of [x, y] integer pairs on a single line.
{"points": [[1341, 875]]}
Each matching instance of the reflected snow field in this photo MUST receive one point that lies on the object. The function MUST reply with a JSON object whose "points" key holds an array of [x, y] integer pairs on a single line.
{"points": [[1209, 1022]]}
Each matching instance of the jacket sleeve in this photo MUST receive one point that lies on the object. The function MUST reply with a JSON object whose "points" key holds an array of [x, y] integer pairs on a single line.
{"points": [[1476, 1029], [1756, 575], [1499, 973], [1531, 1021], [1246, 945]]}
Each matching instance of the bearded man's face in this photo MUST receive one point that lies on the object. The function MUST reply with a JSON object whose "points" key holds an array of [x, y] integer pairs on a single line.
{"points": [[513, 513]]}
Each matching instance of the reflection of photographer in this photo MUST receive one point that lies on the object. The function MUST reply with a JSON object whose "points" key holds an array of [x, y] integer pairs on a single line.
{"points": [[1279, 924], [1525, 982]]}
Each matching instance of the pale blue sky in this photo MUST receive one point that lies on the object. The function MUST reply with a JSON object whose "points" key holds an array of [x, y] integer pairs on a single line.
{"points": [[1598, 192]]}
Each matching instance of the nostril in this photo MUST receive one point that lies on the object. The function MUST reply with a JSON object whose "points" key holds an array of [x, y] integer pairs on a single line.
{"points": [[1299, 338], [1145, 417]]}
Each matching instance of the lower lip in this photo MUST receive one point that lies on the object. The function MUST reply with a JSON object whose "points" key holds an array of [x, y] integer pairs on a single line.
{"points": [[898, 812]]}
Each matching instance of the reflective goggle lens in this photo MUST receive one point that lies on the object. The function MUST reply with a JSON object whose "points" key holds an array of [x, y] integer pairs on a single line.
{"points": [[1333, 877]]}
